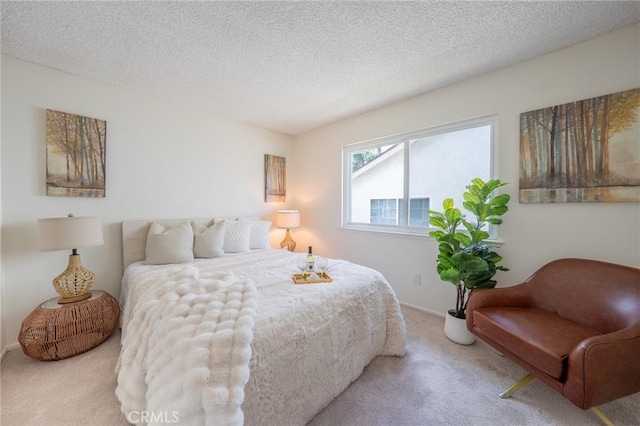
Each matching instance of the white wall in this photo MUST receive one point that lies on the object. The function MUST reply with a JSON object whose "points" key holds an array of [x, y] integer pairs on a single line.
{"points": [[164, 160], [533, 233]]}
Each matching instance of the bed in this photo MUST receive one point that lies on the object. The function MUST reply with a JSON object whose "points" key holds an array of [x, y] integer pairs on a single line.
{"points": [[232, 340]]}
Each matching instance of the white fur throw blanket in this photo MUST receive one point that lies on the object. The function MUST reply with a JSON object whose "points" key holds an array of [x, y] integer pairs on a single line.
{"points": [[186, 352]]}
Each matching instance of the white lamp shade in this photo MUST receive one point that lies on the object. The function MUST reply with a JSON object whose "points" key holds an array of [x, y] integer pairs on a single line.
{"points": [[62, 233], [288, 219]]}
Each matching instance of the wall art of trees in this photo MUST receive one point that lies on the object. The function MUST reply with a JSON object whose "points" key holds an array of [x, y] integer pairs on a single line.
{"points": [[275, 178], [76, 155], [582, 151]]}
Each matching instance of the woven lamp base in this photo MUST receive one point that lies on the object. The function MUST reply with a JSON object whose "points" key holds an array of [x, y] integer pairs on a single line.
{"points": [[53, 332], [74, 283]]}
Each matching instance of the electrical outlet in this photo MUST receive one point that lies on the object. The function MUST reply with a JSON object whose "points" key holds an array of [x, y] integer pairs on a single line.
{"points": [[415, 278]]}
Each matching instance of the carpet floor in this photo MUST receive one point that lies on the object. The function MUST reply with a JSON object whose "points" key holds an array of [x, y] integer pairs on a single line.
{"points": [[437, 383]]}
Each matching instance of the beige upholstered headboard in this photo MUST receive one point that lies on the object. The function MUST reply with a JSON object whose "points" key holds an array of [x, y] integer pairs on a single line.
{"points": [[134, 235]]}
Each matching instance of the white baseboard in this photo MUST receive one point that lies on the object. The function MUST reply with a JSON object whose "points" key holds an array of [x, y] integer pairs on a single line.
{"points": [[8, 348], [425, 310]]}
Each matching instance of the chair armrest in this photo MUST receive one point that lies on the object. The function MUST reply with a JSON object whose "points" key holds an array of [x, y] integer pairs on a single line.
{"points": [[516, 296], [603, 368]]}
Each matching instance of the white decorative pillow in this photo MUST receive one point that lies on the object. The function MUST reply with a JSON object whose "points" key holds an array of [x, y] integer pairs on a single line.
{"points": [[259, 238], [237, 236], [208, 241], [169, 245]]}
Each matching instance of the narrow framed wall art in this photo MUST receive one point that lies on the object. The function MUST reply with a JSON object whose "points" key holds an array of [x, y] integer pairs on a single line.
{"points": [[275, 179], [76, 155], [583, 151]]}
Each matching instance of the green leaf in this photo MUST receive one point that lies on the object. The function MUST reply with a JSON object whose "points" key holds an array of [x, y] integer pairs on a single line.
{"points": [[437, 222], [494, 184], [450, 275], [462, 238], [486, 212], [447, 204], [476, 192], [491, 185], [472, 207], [501, 199], [449, 238], [498, 210], [446, 250], [469, 263], [478, 235], [486, 284], [470, 197], [470, 226], [452, 216], [445, 262], [478, 182], [436, 235]]}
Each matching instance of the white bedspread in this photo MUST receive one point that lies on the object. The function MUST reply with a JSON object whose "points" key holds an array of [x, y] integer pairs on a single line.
{"points": [[309, 341]]}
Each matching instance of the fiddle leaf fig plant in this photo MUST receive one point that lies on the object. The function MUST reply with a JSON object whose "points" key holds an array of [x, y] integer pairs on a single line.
{"points": [[464, 258]]}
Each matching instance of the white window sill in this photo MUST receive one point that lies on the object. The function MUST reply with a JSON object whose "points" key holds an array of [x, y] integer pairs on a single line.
{"points": [[405, 232]]}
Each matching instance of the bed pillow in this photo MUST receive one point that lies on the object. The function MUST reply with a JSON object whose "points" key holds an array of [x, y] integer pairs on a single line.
{"points": [[237, 235], [208, 241], [259, 238], [169, 245]]}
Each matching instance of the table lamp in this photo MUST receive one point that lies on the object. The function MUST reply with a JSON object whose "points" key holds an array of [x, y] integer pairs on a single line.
{"points": [[288, 219], [69, 233]]}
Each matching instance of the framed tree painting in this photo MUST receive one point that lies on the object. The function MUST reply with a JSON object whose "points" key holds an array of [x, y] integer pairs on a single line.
{"points": [[583, 151], [275, 178], [76, 155]]}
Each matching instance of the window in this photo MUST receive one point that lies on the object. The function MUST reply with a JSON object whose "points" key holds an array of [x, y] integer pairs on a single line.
{"points": [[390, 211], [419, 212], [384, 212], [423, 167]]}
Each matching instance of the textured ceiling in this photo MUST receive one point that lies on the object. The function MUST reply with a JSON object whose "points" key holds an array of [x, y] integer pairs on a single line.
{"points": [[294, 66]]}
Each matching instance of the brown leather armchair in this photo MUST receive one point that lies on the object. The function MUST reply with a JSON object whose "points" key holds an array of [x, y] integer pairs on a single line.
{"points": [[574, 324]]}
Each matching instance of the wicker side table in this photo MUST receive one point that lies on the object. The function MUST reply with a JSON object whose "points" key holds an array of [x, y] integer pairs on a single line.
{"points": [[53, 332]]}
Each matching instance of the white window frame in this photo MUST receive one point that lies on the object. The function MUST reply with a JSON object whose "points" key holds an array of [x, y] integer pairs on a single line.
{"points": [[405, 138]]}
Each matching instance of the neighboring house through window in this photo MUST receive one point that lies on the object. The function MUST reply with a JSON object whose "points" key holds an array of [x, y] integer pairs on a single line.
{"points": [[390, 211], [424, 167]]}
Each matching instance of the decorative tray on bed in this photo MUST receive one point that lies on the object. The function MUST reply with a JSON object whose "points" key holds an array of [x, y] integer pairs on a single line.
{"points": [[306, 278]]}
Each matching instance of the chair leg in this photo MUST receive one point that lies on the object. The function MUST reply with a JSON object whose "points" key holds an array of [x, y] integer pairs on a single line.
{"points": [[524, 381], [602, 416]]}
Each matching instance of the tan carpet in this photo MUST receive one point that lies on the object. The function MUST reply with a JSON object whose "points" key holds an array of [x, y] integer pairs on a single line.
{"points": [[437, 383]]}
